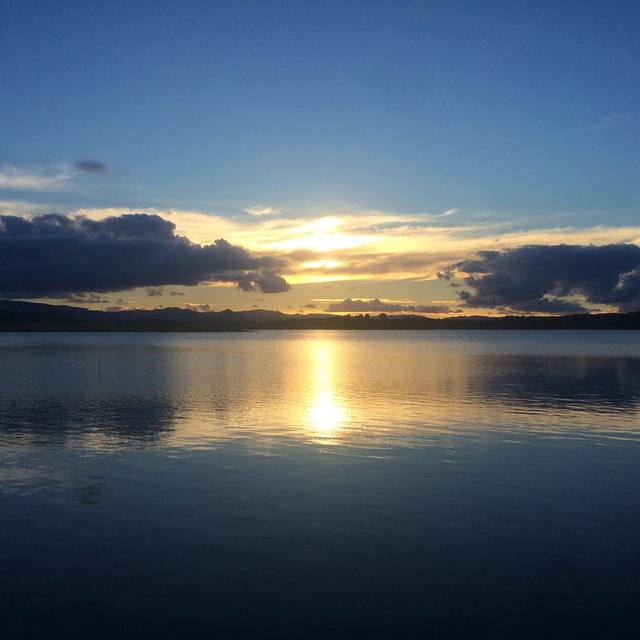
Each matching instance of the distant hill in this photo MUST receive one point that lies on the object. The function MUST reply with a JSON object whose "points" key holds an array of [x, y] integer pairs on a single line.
{"points": [[31, 316]]}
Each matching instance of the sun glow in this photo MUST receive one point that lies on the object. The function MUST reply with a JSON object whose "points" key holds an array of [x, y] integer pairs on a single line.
{"points": [[321, 235], [327, 414], [321, 264]]}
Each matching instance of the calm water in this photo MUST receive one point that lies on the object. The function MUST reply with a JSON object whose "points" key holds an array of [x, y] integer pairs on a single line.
{"points": [[312, 484]]}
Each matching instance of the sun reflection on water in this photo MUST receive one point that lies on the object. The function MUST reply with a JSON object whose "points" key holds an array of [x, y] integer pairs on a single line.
{"points": [[327, 414]]}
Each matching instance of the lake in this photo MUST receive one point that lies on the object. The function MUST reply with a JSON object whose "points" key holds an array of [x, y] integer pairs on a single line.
{"points": [[320, 484]]}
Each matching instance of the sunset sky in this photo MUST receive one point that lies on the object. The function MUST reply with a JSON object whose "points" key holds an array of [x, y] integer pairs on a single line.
{"points": [[346, 156]]}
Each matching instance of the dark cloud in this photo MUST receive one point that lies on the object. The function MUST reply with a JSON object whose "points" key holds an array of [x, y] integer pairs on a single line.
{"points": [[90, 166], [57, 256], [154, 292], [540, 277], [549, 305], [176, 293], [265, 281], [349, 305], [310, 305]]}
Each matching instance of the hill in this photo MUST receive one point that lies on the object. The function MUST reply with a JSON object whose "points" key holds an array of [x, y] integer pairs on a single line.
{"points": [[31, 316]]}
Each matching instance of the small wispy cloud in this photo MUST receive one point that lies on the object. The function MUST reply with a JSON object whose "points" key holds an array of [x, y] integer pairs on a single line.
{"points": [[17, 179], [47, 179], [22, 207], [608, 122], [263, 211]]}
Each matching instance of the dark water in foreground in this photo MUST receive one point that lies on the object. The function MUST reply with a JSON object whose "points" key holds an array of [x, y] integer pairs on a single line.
{"points": [[310, 484]]}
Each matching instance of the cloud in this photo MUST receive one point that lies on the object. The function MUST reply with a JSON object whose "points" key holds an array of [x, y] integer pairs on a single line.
{"points": [[154, 292], [549, 305], [22, 207], [542, 277], [55, 256], [266, 281], [46, 179], [90, 166], [86, 298], [12, 178], [608, 122], [263, 211], [200, 308], [375, 305], [367, 245]]}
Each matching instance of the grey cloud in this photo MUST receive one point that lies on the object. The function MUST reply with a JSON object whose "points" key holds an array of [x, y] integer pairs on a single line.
{"points": [[549, 305], [365, 306], [540, 277], [153, 292], [90, 166], [57, 256], [267, 281]]}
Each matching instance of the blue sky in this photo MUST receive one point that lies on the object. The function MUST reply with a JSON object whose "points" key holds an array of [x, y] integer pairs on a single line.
{"points": [[518, 114]]}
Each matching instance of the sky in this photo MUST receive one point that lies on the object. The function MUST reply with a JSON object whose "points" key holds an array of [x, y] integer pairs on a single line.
{"points": [[433, 157]]}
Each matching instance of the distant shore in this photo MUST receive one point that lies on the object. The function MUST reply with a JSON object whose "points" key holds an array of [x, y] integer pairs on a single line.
{"points": [[33, 317]]}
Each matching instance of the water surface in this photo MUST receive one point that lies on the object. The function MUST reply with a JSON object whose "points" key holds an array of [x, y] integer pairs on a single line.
{"points": [[320, 484]]}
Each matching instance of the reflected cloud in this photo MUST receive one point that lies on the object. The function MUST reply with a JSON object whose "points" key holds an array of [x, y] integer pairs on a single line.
{"points": [[260, 392]]}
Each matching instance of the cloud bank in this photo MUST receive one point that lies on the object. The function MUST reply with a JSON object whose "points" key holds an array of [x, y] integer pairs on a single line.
{"points": [[539, 278], [377, 305], [56, 256]]}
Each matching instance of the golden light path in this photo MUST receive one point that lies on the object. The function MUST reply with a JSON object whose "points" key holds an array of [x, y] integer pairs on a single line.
{"points": [[328, 413], [336, 391]]}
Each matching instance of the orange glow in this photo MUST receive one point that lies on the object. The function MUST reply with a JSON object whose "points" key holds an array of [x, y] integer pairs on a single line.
{"points": [[327, 413]]}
